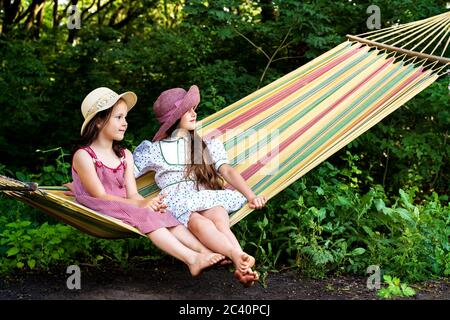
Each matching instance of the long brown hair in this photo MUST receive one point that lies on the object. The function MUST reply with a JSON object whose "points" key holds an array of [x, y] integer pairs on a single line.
{"points": [[200, 165], [94, 127]]}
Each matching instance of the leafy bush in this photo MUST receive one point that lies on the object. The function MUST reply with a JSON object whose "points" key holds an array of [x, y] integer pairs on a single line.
{"points": [[321, 224], [395, 288], [26, 245]]}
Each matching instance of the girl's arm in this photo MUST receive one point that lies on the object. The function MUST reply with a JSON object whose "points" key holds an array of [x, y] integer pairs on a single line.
{"points": [[84, 166], [130, 181], [132, 193], [235, 179]]}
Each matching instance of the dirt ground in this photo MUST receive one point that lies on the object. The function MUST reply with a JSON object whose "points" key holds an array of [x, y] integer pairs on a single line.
{"points": [[153, 281]]}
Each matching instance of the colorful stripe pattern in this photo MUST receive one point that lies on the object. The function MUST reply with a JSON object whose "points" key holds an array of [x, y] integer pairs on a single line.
{"points": [[282, 131]]}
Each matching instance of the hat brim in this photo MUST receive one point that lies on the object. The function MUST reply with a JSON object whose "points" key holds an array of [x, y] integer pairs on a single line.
{"points": [[129, 97], [190, 100]]}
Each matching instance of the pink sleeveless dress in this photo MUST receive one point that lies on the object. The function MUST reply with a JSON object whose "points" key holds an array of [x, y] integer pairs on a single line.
{"points": [[113, 180]]}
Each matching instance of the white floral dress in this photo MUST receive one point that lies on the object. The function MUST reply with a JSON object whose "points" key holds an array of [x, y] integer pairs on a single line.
{"points": [[168, 159]]}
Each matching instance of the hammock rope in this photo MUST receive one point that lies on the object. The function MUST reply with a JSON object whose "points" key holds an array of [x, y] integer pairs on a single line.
{"points": [[280, 132], [396, 37]]}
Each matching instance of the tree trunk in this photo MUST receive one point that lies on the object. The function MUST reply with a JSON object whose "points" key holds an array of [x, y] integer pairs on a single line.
{"points": [[40, 12], [11, 8], [72, 31], [55, 14], [32, 15], [99, 7]]}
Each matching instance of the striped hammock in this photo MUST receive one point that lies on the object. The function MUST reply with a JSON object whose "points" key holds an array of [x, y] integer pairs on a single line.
{"points": [[277, 134]]}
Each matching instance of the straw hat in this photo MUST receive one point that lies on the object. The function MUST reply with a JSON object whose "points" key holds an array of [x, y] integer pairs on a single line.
{"points": [[101, 99], [171, 105]]}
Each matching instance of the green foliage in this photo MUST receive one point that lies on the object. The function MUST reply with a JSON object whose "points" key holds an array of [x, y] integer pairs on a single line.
{"points": [[323, 224], [38, 247], [383, 202], [54, 174], [395, 289], [222, 47], [410, 148], [27, 245]]}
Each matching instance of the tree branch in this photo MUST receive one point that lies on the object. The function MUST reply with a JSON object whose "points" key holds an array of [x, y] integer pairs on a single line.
{"points": [[129, 17], [87, 9], [99, 9], [250, 41], [284, 58], [273, 56], [25, 13]]}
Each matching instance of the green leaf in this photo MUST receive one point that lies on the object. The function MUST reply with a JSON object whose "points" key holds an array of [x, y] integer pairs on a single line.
{"points": [[396, 281], [31, 263], [405, 198], [265, 221], [379, 204], [13, 251], [408, 291], [342, 201], [404, 214], [320, 191], [358, 251], [384, 293], [369, 231]]}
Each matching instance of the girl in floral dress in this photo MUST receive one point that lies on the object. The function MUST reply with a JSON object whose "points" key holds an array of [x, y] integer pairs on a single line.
{"points": [[192, 179]]}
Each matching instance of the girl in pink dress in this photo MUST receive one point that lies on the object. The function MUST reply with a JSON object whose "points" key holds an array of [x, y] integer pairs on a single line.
{"points": [[103, 180]]}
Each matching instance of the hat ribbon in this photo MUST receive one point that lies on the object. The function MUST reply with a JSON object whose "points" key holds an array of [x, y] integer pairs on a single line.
{"points": [[167, 115], [101, 103]]}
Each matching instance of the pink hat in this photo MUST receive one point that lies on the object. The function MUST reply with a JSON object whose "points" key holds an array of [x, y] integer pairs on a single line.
{"points": [[171, 105]]}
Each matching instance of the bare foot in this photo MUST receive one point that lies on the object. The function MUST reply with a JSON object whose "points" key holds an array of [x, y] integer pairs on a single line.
{"points": [[251, 261], [203, 261], [242, 260], [223, 262], [247, 278]]}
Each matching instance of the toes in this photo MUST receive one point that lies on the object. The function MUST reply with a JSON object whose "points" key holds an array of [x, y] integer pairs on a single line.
{"points": [[225, 262], [245, 257], [216, 258], [246, 279]]}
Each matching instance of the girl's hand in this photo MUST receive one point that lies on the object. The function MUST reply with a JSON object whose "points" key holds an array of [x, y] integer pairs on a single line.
{"points": [[257, 202], [160, 202], [70, 192], [156, 203]]}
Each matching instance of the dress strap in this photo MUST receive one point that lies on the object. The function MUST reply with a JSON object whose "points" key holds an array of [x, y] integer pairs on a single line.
{"points": [[91, 152], [98, 163], [122, 159]]}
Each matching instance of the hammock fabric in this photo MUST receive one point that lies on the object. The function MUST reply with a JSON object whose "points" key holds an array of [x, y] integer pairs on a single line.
{"points": [[277, 134]]}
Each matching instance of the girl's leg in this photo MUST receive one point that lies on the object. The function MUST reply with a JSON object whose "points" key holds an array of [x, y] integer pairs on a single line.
{"points": [[195, 261], [188, 239], [221, 219], [206, 231]]}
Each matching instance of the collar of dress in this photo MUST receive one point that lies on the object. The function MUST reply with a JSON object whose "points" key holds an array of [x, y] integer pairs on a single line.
{"points": [[172, 139], [174, 153]]}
